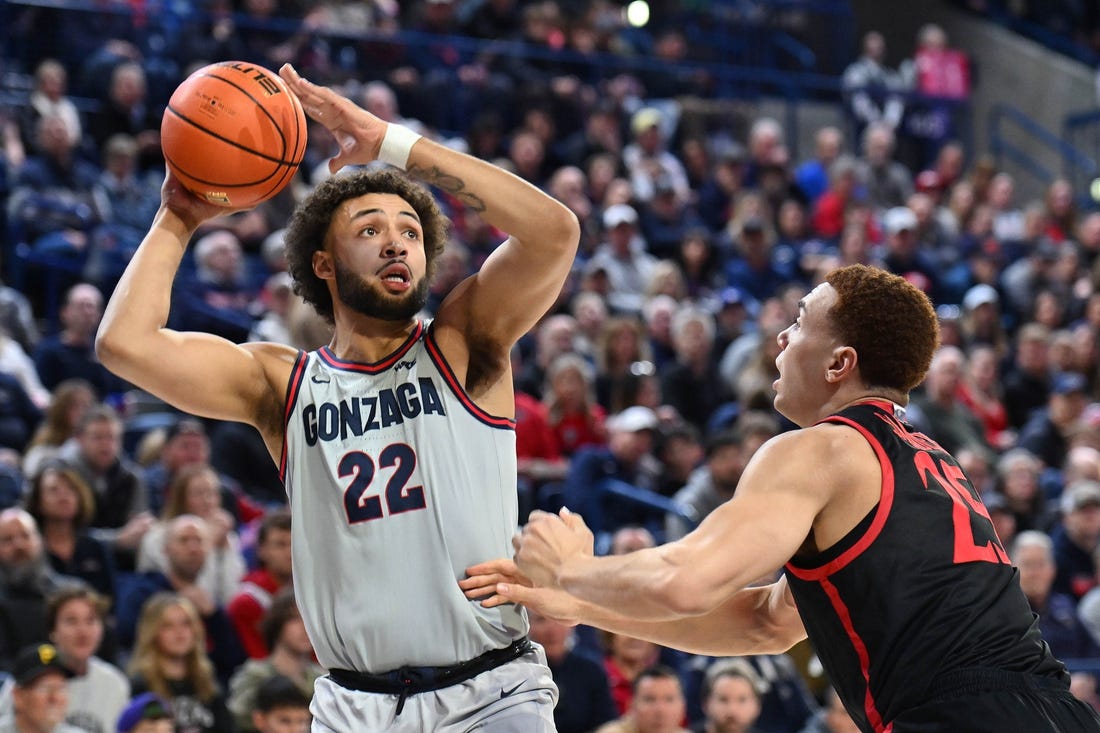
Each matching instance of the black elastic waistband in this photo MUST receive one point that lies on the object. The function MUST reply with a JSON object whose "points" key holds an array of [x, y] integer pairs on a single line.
{"points": [[412, 680], [972, 680]]}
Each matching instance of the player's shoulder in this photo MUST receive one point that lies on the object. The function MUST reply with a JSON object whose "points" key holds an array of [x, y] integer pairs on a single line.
{"points": [[276, 360], [274, 352], [276, 364], [819, 435], [815, 447]]}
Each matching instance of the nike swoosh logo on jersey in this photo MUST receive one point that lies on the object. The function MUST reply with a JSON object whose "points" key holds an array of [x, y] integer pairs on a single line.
{"points": [[320, 380], [508, 693]]}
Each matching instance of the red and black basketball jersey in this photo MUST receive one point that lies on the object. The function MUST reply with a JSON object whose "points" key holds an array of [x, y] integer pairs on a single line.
{"points": [[920, 588]]}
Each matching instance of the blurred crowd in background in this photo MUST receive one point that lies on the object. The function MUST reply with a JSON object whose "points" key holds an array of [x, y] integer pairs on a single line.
{"points": [[142, 540]]}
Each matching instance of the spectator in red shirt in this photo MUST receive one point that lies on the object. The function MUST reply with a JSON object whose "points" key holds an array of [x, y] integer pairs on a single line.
{"points": [[246, 609], [572, 413], [830, 209], [937, 70]]}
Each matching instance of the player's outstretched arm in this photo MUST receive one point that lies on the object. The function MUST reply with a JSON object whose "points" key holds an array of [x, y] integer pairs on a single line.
{"points": [[758, 620], [196, 372], [783, 489], [522, 278]]}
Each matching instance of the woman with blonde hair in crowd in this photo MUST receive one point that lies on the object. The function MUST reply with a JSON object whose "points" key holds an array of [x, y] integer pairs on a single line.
{"points": [[196, 490], [666, 279], [71, 398], [170, 660], [98, 690]]}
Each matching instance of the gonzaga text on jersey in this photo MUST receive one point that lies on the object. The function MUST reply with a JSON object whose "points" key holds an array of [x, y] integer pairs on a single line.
{"points": [[357, 415]]}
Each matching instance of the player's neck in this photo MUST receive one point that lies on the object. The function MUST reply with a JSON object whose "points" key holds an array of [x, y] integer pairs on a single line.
{"points": [[845, 398], [369, 340], [888, 396]]}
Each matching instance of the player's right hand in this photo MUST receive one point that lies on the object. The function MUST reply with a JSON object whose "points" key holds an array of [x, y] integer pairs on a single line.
{"points": [[192, 210], [548, 543]]}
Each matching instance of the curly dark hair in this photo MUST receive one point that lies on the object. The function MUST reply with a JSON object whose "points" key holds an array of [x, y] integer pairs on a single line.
{"points": [[309, 226], [889, 322]]}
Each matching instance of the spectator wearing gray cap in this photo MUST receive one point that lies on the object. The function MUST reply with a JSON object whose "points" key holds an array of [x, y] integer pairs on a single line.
{"points": [[1048, 431], [1076, 538], [624, 259], [982, 318], [627, 458], [902, 254]]}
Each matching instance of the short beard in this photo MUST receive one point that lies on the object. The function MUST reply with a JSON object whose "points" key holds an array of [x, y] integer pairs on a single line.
{"points": [[356, 294]]}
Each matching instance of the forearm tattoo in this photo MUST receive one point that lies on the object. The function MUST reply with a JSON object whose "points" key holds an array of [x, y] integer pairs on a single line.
{"points": [[449, 183]]}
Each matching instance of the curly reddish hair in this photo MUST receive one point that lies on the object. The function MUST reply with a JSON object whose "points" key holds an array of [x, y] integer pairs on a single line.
{"points": [[889, 322]]}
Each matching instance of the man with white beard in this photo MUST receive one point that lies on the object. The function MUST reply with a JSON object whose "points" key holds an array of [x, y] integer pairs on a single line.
{"points": [[26, 580]]}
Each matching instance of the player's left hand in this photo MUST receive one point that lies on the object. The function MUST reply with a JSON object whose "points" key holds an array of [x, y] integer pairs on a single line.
{"points": [[357, 131], [550, 541]]}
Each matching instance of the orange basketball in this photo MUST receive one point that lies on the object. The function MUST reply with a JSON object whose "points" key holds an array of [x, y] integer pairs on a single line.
{"points": [[233, 133]]}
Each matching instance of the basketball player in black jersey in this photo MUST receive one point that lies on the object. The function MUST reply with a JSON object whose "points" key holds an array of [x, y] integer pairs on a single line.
{"points": [[892, 566]]}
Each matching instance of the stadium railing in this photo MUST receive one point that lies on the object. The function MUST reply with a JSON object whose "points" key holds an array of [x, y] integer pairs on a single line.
{"points": [[1013, 135]]}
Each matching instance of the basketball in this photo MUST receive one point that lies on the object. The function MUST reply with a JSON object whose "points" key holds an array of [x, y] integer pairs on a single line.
{"points": [[233, 133]]}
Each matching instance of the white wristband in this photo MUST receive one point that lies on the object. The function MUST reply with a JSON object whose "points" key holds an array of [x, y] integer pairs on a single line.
{"points": [[396, 145]]}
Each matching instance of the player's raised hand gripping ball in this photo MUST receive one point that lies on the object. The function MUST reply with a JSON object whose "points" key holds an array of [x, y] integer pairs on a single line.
{"points": [[234, 134]]}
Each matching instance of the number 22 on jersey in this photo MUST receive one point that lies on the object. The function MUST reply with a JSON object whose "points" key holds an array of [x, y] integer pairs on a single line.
{"points": [[362, 502]]}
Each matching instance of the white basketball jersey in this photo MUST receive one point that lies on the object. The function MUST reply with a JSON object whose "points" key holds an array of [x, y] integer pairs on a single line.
{"points": [[397, 482]]}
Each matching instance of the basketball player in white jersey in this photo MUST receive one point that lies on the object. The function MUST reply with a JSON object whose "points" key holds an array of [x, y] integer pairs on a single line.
{"points": [[396, 441]]}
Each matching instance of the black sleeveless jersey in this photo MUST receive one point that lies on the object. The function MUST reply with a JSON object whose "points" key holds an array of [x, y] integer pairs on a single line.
{"points": [[920, 588]]}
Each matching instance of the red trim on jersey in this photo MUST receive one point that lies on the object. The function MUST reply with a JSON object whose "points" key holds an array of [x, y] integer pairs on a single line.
{"points": [[885, 502], [373, 368], [886, 405], [452, 381], [873, 715], [292, 391]]}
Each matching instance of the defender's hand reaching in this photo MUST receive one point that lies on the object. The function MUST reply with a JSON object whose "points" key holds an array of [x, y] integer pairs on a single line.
{"points": [[548, 543]]}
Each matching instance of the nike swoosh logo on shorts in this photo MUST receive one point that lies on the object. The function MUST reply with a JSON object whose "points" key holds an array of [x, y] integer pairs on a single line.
{"points": [[508, 693]]}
